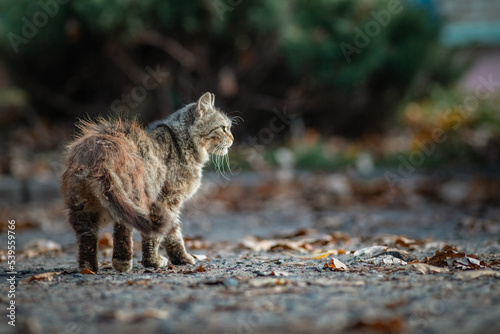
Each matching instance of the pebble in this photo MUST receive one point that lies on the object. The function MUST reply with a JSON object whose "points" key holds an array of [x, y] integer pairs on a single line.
{"points": [[230, 282]]}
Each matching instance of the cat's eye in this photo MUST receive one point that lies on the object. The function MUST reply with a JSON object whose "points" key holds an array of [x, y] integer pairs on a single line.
{"points": [[223, 128]]}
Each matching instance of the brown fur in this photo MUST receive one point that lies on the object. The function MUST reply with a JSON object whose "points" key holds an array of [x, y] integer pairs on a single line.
{"points": [[117, 171]]}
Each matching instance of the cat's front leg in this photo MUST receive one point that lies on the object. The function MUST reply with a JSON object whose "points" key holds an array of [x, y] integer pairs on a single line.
{"points": [[174, 245], [150, 256]]}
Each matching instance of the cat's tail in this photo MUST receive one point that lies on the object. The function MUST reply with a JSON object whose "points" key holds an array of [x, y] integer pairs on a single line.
{"points": [[113, 197]]}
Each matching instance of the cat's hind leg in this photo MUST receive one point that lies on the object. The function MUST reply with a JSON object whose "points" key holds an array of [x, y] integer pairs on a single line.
{"points": [[122, 248], [87, 232], [150, 256]]}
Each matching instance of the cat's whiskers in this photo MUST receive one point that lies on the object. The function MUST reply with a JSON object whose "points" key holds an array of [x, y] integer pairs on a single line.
{"points": [[221, 159], [235, 120], [227, 161], [217, 158]]}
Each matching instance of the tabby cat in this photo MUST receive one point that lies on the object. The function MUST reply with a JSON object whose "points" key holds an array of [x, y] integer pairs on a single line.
{"points": [[118, 172]]}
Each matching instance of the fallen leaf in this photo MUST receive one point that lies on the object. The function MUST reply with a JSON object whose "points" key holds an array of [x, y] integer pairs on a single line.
{"points": [[196, 243], [450, 257], [41, 277], [265, 282], [428, 269], [131, 316], [388, 326], [314, 256], [495, 263], [405, 242], [139, 282], [335, 265], [86, 271], [397, 304], [200, 257], [105, 241], [200, 269], [278, 273], [470, 275], [40, 247], [441, 256]]}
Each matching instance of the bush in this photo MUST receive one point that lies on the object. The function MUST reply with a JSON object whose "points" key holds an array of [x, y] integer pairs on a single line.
{"points": [[255, 55]]}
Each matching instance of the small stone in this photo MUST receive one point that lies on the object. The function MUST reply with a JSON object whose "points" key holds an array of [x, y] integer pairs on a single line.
{"points": [[230, 282]]}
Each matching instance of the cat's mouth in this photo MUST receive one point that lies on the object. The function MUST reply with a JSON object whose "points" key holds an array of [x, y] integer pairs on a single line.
{"points": [[220, 150]]}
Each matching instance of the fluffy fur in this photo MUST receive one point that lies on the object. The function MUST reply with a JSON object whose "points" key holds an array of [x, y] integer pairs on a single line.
{"points": [[139, 178]]}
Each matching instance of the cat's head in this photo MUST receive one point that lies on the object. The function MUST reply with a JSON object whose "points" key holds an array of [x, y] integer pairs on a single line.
{"points": [[211, 126]]}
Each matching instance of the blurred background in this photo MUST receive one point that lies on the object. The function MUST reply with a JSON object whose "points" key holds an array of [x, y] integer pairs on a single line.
{"points": [[370, 88]]}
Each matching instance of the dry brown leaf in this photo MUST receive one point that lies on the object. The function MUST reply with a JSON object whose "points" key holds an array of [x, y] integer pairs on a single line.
{"points": [[140, 282], [196, 243], [428, 269], [265, 282], [441, 256], [449, 256], [404, 242], [278, 273], [494, 263], [41, 277], [200, 257], [315, 256], [470, 275], [200, 269], [86, 271], [40, 247], [105, 241], [130, 316], [335, 265], [397, 304], [388, 326]]}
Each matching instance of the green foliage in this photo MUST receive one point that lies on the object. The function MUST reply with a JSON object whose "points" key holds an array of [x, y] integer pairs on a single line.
{"points": [[275, 46]]}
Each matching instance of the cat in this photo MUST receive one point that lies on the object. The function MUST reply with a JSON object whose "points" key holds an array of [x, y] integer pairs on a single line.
{"points": [[118, 172]]}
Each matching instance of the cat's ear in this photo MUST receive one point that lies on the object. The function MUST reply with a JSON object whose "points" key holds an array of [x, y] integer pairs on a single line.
{"points": [[204, 103]]}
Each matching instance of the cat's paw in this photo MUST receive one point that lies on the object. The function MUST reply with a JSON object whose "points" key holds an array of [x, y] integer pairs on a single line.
{"points": [[88, 265], [122, 265], [162, 261], [158, 262], [185, 259]]}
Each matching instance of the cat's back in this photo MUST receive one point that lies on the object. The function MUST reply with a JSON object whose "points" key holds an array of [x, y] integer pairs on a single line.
{"points": [[105, 141], [105, 147]]}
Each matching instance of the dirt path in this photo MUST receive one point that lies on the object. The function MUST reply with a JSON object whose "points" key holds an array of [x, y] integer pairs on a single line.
{"points": [[261, 278]]}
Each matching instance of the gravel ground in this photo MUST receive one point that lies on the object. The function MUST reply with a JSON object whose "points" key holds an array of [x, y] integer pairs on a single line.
{"points": [[260, 278]]}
